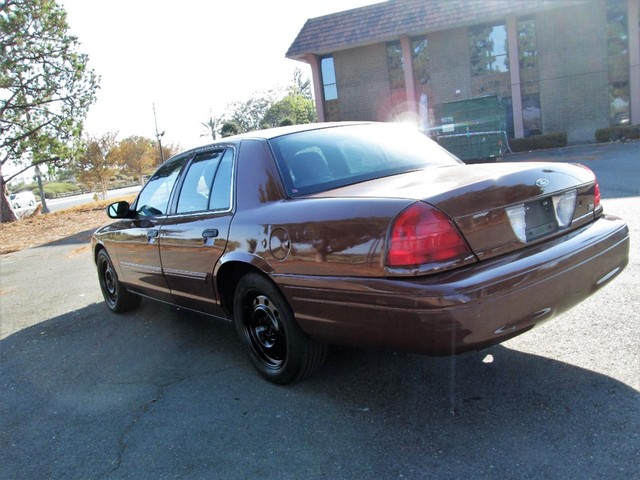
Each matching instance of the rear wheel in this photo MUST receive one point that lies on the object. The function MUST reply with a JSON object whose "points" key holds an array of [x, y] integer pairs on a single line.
{"points": [[277, 347], [117, 298]]}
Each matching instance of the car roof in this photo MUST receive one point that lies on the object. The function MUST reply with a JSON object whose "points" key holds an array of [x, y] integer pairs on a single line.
{"points": [[269, 134], [275, 132]]}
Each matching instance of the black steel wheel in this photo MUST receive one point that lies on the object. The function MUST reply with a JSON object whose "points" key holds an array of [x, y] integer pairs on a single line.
{"points": [[276, 345], [117, 298]]}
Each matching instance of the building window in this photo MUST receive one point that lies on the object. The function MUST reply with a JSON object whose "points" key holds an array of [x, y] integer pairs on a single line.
{"points": [[527, 48], [329, 85], [420, 58], [394, 64], [529, 79], [422, 81], [488, 49], [618, 62], [531, 115]]}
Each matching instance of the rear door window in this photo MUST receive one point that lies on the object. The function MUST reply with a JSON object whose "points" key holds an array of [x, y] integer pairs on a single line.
{"points": [[207, 183], [198, 183]]}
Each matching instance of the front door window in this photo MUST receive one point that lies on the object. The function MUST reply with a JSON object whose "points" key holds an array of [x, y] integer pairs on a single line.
{"points": [[154, 197]]}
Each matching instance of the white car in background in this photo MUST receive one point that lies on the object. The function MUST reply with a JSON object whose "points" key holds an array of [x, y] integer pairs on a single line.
{"points": [[22, 199]]}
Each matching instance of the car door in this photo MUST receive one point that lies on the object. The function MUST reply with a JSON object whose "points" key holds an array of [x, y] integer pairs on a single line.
{"points": [[135, 246], [194, 237]]}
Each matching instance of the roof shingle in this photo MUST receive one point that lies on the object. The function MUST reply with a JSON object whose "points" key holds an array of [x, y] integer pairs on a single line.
{"points": [[385, 21]]}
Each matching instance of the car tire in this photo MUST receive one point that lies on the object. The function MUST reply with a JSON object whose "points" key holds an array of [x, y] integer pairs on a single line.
{"points": [[117, 298], [277, 346]]}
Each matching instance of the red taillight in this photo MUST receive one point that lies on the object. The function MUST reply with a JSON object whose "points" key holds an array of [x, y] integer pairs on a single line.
{"points": [[596, 195], [421, 234], [596, 189]]}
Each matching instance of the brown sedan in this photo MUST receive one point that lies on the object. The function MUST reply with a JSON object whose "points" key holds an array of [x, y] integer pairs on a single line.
{"points": [[366, 235]]}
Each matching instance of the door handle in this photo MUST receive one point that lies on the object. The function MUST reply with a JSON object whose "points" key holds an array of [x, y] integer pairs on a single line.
{"points": [[210, 233], [152, 233]]}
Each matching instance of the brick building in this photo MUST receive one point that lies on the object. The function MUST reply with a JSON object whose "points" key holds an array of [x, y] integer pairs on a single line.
{"points": [[550, 65]]}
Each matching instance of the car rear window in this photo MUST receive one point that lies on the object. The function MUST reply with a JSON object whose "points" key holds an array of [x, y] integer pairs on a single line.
{"points": [[319, 160]]}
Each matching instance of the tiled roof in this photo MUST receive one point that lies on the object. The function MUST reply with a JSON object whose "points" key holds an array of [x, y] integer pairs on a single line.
{"points": [[385, 21]]}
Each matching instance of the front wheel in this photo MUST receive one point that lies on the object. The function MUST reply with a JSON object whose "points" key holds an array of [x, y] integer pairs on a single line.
{"points": [[277, 347], [117, 298]]}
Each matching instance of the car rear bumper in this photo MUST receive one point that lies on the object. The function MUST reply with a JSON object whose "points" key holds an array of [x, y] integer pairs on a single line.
{"points": [[466, 309]]}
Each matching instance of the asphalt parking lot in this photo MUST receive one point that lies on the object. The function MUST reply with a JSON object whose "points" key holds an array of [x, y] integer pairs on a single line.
{"points": [[163, 393]]}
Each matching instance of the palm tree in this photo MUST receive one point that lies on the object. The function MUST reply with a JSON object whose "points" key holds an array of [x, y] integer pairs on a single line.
{"points": [[213, 126]]}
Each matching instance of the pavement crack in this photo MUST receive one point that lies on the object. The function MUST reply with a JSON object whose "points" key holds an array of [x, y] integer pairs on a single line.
{"points": [[145, 408]]}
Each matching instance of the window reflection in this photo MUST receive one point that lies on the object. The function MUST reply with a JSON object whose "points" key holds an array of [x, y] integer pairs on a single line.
{"points": [[394, 65], [329, 78], [527, 48], [531, 115], [194, 195], [529, 77], [420, 58], [422, 81], [488, 46], [618, 62], [154, 197], [221, 192]]}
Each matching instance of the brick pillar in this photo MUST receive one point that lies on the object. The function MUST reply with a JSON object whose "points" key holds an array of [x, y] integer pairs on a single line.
{"points": [[316, 80]]}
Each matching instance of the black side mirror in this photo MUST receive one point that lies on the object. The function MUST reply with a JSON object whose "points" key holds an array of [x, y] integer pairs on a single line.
{"points": [[118, 210]]}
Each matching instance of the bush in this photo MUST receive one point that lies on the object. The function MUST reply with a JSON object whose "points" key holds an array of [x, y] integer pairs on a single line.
{"points": [[54, 189], [616, 134], [538, 142]]}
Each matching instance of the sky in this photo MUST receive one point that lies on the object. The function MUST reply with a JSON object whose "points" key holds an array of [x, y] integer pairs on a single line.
{"points": [[191, 58]]}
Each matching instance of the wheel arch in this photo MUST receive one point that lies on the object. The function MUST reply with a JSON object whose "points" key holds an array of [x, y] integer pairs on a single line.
{"points": [[231, 270], [97, 248]]}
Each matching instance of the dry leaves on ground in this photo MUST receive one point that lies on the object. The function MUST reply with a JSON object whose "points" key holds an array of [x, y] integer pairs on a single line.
{"points": [[42, 229]]}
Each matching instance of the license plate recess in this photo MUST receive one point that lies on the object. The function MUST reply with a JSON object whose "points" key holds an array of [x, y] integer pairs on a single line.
{"points": [[540, 219]]}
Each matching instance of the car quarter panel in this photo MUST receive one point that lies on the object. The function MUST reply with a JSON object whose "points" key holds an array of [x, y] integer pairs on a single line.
{"points": [[464, 309], [317, 236], [320, 236]]}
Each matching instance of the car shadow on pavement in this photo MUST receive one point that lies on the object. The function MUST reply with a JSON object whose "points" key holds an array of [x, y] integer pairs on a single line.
{"points": [[83, 237], [163, 393]]}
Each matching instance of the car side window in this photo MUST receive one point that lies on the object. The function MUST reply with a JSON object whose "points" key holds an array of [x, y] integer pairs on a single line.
{"points": [[154, 197], [196, 189], [221, 192]]}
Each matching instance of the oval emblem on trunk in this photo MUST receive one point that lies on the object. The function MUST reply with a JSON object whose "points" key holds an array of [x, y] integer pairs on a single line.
{"points": [[542, 182]]}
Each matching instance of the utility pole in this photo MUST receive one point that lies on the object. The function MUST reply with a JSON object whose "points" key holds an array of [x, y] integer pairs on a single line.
{"points": [[158, 135]]}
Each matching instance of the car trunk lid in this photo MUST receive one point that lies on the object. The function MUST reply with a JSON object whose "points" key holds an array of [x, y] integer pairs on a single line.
{"points": [[497, 207]]}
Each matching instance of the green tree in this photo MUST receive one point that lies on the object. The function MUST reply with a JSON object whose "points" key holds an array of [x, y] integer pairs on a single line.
{"points": [[300, 85], [228, 129], [98, 162], [248, 115], [293, 109], [47, 88]]}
